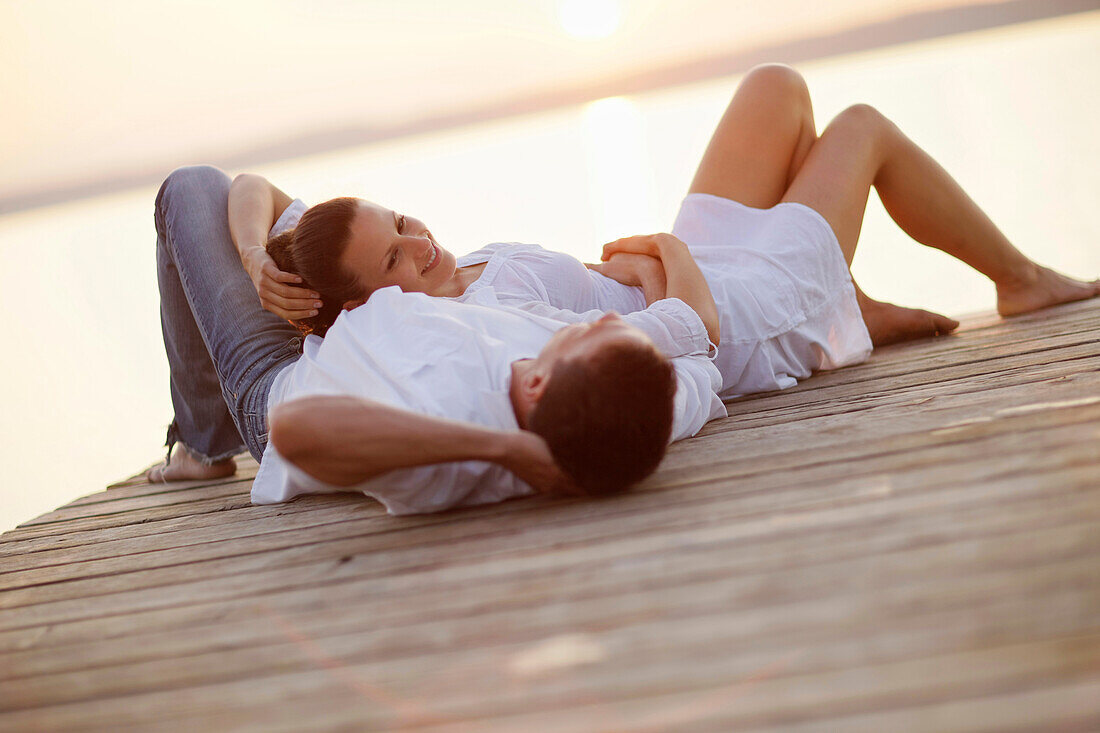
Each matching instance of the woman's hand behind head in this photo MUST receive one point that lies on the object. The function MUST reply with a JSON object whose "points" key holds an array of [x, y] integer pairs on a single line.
{"points": [[283, 293]]}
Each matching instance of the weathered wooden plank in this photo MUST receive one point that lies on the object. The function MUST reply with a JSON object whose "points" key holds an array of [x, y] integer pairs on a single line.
{"points": [[229, 540], [494, 692], [1055, 706], [971, 595], [12, 579], [916, 535], [1068, 707], [751, 502], [147, 522], [789, 407], [1065, 607], [35, 540], [839, 647], [140, 488], [955, 352], [964, 349], [817, 531], [179, 500], [163, 534], [237, 502], [812, 547], [833, 439]]}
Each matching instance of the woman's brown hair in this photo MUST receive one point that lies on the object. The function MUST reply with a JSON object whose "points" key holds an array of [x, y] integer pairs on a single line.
{"points": [[313, 250]]}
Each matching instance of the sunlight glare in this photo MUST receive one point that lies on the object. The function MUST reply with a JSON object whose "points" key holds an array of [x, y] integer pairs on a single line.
{"points": [[620, 179], [589, 19]]}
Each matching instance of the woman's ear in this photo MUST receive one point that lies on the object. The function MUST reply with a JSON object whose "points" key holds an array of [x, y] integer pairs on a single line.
{"points": [[353, 304]]}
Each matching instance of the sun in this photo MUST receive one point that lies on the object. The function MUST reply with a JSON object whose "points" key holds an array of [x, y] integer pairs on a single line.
{"points": [[589, 19]]}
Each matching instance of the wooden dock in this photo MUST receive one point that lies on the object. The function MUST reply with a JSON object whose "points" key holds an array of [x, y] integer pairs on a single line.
{"points": [[910, 544]]}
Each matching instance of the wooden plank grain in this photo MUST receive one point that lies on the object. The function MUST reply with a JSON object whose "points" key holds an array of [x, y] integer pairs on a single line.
{"points": [[834, 636], [475, 689], [768, 538], [1063, 606], [917, 534], [142, 553], [319, 546], [916, 530], [698, 448]]}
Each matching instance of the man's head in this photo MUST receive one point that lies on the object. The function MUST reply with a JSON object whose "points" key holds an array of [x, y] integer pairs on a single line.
{"points": [[601, 395]]}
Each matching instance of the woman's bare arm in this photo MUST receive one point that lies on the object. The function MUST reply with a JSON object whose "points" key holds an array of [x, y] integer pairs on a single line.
{"points": [[344, 440], [255, 204], [683, 278], [642, 271]]}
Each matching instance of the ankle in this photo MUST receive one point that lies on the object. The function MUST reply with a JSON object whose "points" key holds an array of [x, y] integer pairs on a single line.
{"points": [[1021, 277]]}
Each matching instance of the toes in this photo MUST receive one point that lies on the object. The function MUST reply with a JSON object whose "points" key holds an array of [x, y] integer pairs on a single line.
{"points": [[943, 324], [155, 475]]}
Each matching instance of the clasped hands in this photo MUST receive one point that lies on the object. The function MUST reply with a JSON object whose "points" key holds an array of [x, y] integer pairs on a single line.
{"points": [[637, 261]]}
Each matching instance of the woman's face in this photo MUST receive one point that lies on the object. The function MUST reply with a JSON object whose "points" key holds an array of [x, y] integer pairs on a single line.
{"points": [[389, 248]]}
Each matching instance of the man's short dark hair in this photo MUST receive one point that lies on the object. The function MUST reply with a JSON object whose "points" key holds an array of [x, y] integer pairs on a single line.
{"points": [[607, 419]]}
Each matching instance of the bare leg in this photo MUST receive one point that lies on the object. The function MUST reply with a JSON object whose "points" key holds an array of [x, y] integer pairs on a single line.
{"points": [[761, 141], [755, 154], [861, 148]]}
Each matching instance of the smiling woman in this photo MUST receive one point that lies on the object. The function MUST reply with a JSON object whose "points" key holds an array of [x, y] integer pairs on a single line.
{"points": [[397, 249], [347, 248]]}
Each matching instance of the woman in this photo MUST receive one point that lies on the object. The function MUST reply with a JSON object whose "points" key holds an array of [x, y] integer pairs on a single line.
{"points": [[773, 217]]}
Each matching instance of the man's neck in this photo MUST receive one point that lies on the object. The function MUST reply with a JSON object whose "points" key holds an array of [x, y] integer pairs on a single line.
{"points": [[514, 396]]}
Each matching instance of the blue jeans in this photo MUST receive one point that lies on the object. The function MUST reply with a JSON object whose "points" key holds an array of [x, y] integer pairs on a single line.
{"points": [[224, 350]]}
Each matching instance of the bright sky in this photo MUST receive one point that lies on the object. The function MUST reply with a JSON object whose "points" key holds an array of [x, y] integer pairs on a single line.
{"points": [[113, 87], [83, 400]]}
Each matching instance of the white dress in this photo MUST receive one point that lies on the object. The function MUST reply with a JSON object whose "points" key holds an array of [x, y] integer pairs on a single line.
{"points": [[786, 303]]}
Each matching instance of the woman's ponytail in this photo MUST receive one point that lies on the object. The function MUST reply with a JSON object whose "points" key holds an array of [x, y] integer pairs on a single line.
{"points": [[279, 249], [312, 251]]}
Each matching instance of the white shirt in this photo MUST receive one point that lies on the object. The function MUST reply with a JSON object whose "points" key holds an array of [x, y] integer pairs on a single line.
{"points": [[444, 358], [785, 298]]}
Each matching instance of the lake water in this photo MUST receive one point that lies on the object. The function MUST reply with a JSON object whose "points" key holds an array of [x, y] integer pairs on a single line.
{"points": [[1010, 112]]}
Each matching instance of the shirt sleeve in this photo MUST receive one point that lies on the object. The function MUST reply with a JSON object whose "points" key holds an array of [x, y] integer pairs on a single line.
{"points": [[697, 402], [289, 218], [671, 323]]}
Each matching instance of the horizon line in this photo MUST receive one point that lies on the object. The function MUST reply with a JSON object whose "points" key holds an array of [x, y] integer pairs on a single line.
{"points": [[917, 26]]}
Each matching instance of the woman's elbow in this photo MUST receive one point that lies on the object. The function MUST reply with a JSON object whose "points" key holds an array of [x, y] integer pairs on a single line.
{"points": [[248, 183]]}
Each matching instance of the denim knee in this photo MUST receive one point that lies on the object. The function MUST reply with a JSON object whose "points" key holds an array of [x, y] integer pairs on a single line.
{"points": [[190, 181]]}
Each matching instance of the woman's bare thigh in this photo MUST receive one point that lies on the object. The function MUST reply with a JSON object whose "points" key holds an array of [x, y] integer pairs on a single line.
{"points": [[835, 179], [761, 140]]}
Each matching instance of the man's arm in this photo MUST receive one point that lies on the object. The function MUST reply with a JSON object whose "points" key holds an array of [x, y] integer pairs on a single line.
{"points": [[344, 441]]}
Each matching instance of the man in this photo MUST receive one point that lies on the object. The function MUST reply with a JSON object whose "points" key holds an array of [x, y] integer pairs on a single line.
{"points": [[428, 403]]}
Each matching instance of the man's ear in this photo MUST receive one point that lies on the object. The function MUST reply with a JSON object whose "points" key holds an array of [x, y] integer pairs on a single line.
{"points": [[533, 383], [353, 304]]}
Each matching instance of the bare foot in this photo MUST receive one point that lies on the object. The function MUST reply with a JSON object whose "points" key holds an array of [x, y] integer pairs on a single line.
{"points": [[891, 324], [185, 467], [1043, 288]]}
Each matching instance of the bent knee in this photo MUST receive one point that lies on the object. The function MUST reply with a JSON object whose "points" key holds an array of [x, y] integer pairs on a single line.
{"points": [[862, 118], [779, 80], [200, 177], [193, 180]]}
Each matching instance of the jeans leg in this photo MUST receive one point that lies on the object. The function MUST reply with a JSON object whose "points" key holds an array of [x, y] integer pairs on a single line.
{"points": [[223, 348]]}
